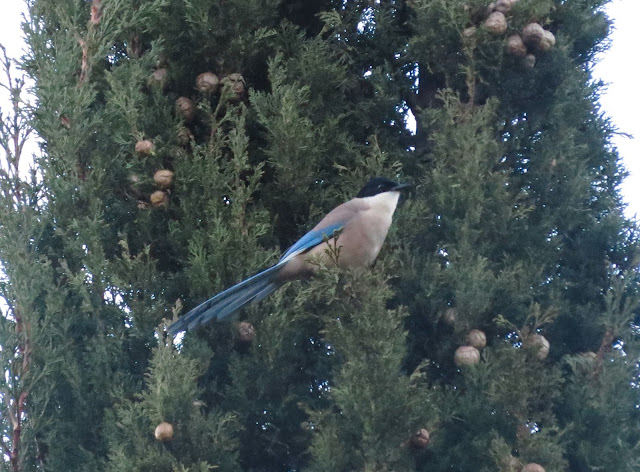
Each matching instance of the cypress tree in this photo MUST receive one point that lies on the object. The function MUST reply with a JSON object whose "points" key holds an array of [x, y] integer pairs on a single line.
{"points": [[185, 145]]}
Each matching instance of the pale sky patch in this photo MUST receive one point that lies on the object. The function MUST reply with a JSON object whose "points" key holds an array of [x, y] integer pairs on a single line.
{"points": [[619, 68], [11, 36]]}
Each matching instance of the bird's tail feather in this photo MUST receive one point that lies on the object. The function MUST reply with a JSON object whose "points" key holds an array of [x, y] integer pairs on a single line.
{"points": [[266, 291], [223, 304], [250, 295]]}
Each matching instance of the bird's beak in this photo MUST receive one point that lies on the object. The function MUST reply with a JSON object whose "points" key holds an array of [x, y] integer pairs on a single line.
{"points": [[400, 187]]}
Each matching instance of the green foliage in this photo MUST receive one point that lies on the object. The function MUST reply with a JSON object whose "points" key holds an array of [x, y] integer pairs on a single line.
{"points": [[201, 440], [595, 408], [374, 402], [514, 226]]}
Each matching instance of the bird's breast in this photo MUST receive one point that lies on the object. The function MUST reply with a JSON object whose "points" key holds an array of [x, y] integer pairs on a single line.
{"points": [[366, 224], [359, 242]]}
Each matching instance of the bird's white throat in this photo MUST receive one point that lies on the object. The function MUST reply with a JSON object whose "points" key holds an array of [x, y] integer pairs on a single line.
{"points": [[383, 203]]}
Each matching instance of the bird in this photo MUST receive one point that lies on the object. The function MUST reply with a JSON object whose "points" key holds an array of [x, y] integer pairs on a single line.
{"points": [[355, 230]]}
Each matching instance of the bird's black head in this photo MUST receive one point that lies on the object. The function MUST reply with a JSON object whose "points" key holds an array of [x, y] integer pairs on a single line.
{"points": [[379, 185]]}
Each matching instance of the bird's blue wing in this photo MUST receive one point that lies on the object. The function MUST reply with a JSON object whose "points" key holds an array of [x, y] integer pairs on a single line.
{"points": [[311, 239]]}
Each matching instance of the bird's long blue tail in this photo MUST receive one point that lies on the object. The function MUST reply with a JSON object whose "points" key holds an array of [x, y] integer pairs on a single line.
{"points": [[223, 304], [254, 288]]}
